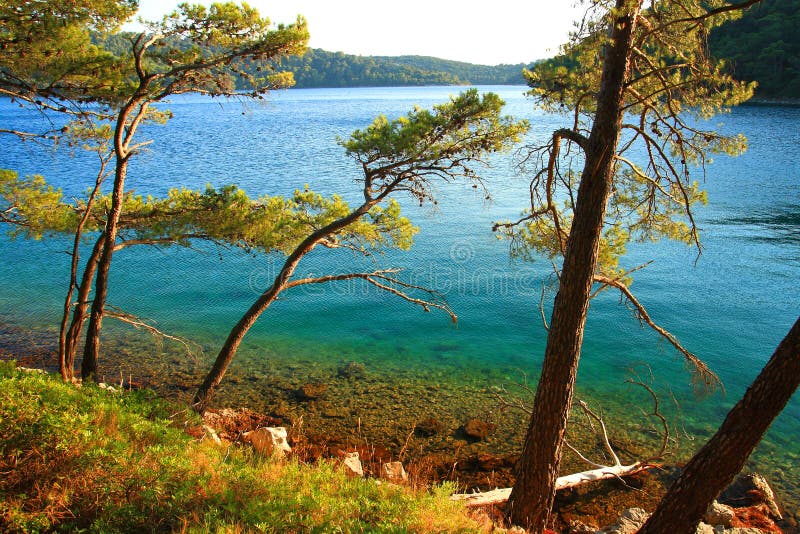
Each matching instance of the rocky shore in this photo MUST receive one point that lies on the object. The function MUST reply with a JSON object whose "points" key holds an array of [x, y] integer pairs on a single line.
{"points": [[437, 429]]}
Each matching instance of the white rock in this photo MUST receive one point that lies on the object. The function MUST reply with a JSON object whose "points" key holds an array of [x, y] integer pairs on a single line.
{"points": [[353, 465], [212, 434], [719, 514], [269, 441], [393, 471], [630, 521]]}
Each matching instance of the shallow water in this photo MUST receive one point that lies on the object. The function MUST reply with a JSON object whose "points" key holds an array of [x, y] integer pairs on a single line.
{"points": [[731, 305]]}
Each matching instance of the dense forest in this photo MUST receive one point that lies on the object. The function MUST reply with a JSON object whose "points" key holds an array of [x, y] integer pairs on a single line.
{"points": [[764, 46], [320, 68]]}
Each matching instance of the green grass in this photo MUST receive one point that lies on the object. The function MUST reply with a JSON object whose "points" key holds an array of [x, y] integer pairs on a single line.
{"points": [[86, 459]]}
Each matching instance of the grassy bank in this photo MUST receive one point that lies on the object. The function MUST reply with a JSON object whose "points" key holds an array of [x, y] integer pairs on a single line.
{"points": [[86, 458]]}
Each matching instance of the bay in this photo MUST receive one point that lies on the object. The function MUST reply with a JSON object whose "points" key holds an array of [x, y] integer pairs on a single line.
{"points": [[731, 305]]}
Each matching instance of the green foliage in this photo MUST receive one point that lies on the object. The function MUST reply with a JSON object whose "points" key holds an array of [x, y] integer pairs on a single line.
{"points": [[86, 458], [208, 49], [226, 215], [46, 51], [764, 46], [32, 207], [468, 72], [671, 87], [444, 143]]}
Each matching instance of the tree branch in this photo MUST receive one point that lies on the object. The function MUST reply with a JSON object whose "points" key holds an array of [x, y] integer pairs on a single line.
{"points": [[702, 374]]}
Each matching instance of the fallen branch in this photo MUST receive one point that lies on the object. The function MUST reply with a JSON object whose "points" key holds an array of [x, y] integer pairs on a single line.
{"points": [[501, 495]]}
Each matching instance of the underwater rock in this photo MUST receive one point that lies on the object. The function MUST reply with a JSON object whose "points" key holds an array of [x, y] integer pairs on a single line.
{"points": [[429, 427], [335, 413], [312, 391], [351, 370], [478, 429]]}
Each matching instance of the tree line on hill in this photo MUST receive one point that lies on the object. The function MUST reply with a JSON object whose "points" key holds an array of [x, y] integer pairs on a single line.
{"points": [[320, 68], [761, 46]]}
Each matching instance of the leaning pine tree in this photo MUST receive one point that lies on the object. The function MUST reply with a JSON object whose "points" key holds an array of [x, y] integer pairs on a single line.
{"points": [[636, 78], [720, 460], [410, 155]]}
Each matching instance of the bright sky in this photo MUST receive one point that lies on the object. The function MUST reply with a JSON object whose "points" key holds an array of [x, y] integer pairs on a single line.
{"points": [[489, 32]]}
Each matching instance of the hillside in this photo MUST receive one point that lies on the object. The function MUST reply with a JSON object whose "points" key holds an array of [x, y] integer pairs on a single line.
{"points": [[320, 68], [764, 45], [474, 74], [96, 460]]}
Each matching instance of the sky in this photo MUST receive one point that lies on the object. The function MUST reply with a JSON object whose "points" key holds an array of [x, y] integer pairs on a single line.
{"points": [[486, 32]]}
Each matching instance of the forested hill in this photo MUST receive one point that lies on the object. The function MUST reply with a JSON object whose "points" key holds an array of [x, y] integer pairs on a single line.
{"points": [[764, 45], [320, 68], [474, 74]]}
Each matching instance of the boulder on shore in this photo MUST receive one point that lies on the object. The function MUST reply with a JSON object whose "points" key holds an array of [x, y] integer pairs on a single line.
{"points": [[268, 441]]}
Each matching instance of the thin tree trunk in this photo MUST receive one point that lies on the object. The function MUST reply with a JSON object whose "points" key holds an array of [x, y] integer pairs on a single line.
{"points": [[722, 458], [206, 391], [65, 362], [81, 305], [537, 472], [91, 350], [226, 354], [124, 131]]}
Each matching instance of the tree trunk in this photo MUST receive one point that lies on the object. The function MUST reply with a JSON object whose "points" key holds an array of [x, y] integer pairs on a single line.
{"points": [[81, 305], [91, 350], [205, 392], [65, 361], [537, 472], [124, 131], [722, 458]]}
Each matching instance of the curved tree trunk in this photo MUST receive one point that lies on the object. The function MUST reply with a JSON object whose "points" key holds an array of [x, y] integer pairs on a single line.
{"points": [[534, 491], [206, 390], [722, 458]]}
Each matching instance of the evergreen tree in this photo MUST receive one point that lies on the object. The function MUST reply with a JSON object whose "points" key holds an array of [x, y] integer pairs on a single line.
{"points": [[642, 69]]}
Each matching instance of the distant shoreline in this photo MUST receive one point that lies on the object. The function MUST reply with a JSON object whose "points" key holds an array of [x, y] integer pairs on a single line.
{"points": [[776, 102]]}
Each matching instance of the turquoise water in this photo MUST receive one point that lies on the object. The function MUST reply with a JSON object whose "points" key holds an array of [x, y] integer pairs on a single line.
{"points": [[731, 305]]}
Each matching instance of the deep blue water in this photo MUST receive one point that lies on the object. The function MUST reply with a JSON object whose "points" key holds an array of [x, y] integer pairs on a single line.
{"points": [[731, 305]]}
